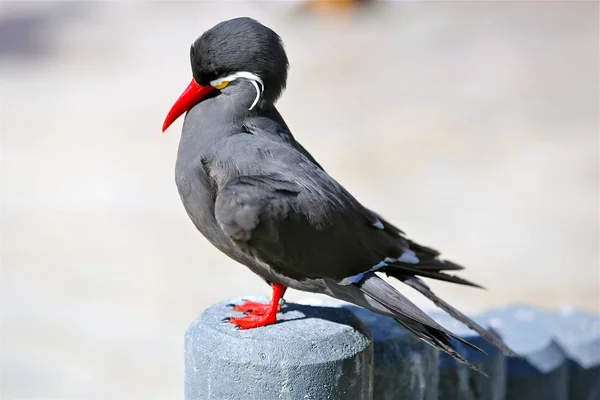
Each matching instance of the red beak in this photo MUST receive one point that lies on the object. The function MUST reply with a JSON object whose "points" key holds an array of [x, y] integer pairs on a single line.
{"points": [[189, 98]]}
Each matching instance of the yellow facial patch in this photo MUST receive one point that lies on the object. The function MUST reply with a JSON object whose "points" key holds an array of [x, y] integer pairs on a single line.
{"points": [[221, 85]]}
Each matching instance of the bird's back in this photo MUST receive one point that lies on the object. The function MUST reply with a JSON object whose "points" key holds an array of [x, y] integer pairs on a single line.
{"points": [[277, 203]]}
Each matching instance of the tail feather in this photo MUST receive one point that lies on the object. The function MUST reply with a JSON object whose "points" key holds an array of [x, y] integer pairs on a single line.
{"points": [[401, 270], [440, 341], [430, 266], [413, 318], [422, 288], [438, 265], [429, 258]]}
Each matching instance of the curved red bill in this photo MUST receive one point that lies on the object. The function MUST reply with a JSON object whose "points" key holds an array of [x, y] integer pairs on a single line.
{"points": [[190, 97]]}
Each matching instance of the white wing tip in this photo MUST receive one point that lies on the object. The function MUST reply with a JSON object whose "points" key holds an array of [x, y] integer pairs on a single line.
{"points": [[408, 257], [377, 224]]}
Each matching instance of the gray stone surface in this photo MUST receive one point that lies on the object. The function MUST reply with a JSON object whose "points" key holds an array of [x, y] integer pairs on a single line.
{"points": [[404, 367], [457, 381], [312, 353], [542, 372]]}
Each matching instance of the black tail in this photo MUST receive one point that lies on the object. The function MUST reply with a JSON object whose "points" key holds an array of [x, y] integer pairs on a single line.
{"points": [[440, 340], [431, 266], [422, 288], [411, 317], [402, 270]]}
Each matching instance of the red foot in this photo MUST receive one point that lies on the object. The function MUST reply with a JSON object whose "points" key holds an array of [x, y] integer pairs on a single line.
{"points": [[260, 314], [254, 321], [254, 308]]}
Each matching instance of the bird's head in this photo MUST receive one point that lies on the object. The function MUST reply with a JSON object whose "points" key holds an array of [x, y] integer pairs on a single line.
{"points": [[232, 51]]}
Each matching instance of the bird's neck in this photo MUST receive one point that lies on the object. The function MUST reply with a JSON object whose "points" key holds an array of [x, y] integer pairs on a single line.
{"points": [[215, 118]]}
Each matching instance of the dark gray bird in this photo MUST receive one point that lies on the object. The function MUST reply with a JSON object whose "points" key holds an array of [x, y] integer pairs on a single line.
{"points": [[257, 195]]}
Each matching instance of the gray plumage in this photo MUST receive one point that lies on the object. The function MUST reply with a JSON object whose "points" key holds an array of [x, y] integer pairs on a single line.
{"points": [[257, 195]]}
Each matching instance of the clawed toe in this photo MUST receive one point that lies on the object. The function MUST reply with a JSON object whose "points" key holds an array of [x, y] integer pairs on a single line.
{"points": [[254, 321]]}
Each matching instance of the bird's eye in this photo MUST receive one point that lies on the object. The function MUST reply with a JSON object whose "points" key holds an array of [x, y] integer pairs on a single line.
{"points": [[221, 85]]}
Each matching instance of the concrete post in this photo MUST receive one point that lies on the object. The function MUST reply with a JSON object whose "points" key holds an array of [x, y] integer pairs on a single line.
{"points": [[404, 366], [542, 373], [315, 353], [578, 335], [458, 381]]}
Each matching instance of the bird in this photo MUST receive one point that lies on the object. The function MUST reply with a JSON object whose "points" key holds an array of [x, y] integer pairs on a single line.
{"points": [[262, 199]]}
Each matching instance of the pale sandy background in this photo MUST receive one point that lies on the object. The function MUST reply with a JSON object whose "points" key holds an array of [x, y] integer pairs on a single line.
{"points": [[473, 126]]}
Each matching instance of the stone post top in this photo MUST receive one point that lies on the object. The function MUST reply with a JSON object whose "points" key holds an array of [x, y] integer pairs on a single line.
{"points": [[299, 328]]}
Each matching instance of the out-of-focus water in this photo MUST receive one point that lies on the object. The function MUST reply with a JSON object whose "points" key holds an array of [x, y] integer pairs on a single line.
{"points": [[473, 126]]}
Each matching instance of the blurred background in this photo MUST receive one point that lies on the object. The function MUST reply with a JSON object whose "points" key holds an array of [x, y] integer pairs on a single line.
{"points": [[471, 125]]}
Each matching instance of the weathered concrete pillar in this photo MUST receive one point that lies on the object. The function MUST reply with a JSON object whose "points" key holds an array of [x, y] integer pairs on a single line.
{"points": [[405, 367], [313, 352], [542, 373], [458, 381], [577, 333]]}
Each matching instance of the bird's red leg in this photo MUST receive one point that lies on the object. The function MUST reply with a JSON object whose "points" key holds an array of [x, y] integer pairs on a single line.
{"points": [[260, 314]]}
